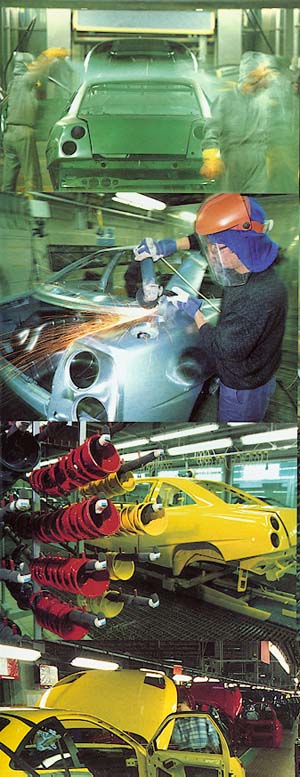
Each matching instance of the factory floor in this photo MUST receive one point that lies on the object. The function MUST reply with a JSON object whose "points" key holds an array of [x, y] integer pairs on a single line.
{"points": [[271, 762]]}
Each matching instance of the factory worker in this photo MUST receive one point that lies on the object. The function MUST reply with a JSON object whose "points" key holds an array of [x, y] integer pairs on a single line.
{"points": [[19, 141], [245, 345], [238, 138], [193, 733]]}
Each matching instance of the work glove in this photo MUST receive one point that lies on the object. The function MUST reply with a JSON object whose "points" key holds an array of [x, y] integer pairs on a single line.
{"points": [[185, 302], [154, 248], [213, 165], [55, 53]]}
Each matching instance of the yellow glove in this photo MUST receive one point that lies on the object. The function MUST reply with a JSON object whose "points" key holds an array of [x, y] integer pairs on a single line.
{"points": [[213, 165], [55, 53]]}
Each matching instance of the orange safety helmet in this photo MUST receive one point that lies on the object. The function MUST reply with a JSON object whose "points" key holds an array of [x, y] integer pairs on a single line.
{"points": [[226, 211]]}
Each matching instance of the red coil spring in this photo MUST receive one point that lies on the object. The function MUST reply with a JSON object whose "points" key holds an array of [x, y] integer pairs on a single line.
{"points": [[68, 575], [54, 615], [89, 461], [68, 524]]}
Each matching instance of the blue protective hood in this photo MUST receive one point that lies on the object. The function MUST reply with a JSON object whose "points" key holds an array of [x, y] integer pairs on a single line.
{"points": [[255, 250]]}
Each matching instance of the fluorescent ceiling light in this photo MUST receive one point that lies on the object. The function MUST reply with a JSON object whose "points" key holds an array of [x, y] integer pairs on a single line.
{"points": [[168, 473], [21, 654], [276, 435], [226, 442], [187, 215], [236, 424], [139, 201], [93, 663], [182, 678], [200, 679], [280, 657], [184, 432], [133, 443]]}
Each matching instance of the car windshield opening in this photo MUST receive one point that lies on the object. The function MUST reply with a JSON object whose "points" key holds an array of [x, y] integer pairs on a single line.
{"points": [[146, 99]]}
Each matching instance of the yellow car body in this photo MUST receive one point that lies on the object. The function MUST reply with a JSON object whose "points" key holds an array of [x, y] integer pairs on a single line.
{"points": [[209, 521], [144, 703], [132, 700], [47, 742], [56, 743]]}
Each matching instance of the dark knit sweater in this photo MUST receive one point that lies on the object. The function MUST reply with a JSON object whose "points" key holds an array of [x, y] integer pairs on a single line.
{"points": [[246, 343]]}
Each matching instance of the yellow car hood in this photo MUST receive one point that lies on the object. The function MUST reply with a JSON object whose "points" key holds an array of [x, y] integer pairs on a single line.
{"points": [[132, 700]]}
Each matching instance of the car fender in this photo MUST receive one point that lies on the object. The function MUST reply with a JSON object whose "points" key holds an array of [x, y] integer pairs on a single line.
{"points": [[190, 552]]}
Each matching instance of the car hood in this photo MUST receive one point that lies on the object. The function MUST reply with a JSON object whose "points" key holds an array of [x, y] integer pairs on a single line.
{"points": [[123, 135], [229, 700], [132, 700]]}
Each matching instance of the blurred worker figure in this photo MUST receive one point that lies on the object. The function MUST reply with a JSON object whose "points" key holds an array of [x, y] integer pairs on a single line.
{"points": [[238, 136], [193, 733], [245, 345], [252, 713], [19, 142], [283, 150]]}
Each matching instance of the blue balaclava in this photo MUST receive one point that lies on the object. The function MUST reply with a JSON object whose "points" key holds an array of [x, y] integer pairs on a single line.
{"points": [[255, 250]]}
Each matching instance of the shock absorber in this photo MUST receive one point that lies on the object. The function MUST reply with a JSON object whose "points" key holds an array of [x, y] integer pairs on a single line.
{"points": [[122, 481], [62, 618], [84, 520], [75, 575], [114, 484], [119, 568], [112, 602], [146, 518], [95, 458]]}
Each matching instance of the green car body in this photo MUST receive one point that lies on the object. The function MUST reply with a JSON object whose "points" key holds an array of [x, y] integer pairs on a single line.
{"points": [[138, 126]]}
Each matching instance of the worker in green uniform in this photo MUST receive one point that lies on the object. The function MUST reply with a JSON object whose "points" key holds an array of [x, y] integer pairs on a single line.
{"points": [[19, 142], [237, 137]]}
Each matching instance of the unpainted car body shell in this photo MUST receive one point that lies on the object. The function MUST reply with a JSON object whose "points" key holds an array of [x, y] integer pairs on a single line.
{"points": [[149, 367]]}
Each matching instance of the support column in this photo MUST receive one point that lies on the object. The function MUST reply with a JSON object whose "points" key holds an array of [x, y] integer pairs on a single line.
{"points": [[288, 33], [229, 36]]}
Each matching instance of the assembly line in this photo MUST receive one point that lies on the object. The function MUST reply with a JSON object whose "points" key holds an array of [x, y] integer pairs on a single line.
{"points": [[149, 273]]}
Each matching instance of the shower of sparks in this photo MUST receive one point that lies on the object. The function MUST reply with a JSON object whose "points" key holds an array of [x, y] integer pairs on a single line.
{"points": [[53, 336]]}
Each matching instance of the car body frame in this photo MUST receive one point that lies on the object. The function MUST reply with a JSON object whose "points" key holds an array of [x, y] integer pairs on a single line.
{"points": [[265, 730], [144, 702], [60, 357], [136, 121], [211, 522]]}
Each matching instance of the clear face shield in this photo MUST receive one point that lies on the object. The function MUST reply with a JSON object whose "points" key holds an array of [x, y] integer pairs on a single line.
{"points": [[225, 267]]}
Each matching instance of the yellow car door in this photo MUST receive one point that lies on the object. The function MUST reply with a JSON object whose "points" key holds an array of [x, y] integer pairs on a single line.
{"points": [[191, 745]]}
